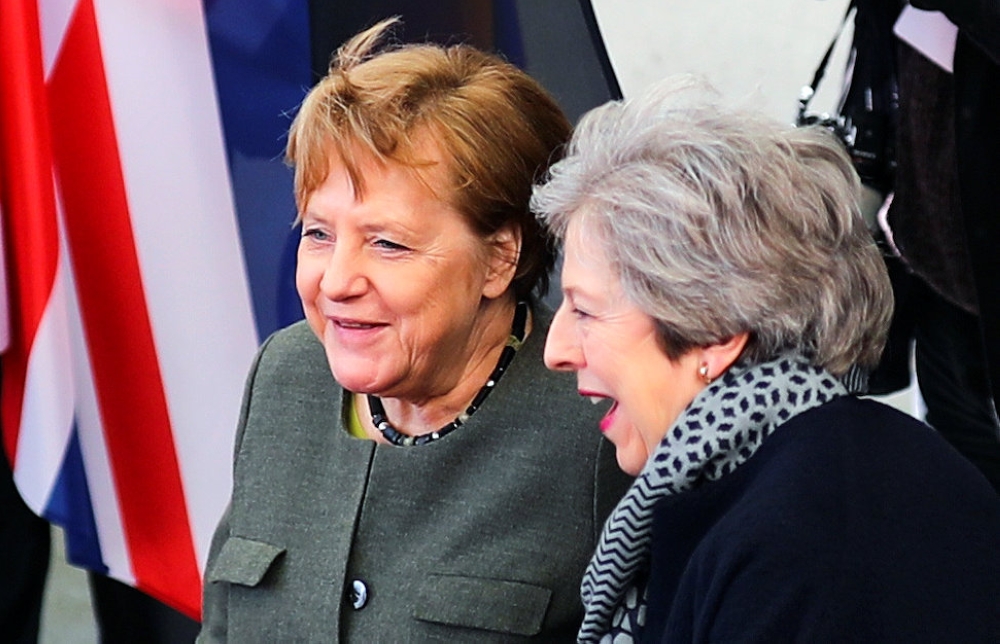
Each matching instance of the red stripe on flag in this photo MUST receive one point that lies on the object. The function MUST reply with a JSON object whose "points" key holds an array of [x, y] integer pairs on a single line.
{"points": [[28, 198], [116, 323]]}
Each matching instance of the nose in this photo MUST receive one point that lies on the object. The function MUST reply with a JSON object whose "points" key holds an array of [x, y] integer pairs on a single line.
{"points": [[344, 274], [562, 348]]}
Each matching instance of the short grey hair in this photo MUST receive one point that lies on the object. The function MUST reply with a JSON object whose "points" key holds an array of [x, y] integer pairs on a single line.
{"points": [[719, 221]]}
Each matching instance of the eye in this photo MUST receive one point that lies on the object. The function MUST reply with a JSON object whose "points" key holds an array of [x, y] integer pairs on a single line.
{"points": [[386, 244], [316, 234], [570, 307]]}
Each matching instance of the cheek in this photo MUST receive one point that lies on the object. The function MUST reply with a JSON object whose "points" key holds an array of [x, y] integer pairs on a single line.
{"points": [[606, 360], [307, 281], [445, 293], [427, 318], [307, 278]]}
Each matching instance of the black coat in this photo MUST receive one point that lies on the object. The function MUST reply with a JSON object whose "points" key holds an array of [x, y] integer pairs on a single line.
{"points": [[853, 522], [977, 139]]}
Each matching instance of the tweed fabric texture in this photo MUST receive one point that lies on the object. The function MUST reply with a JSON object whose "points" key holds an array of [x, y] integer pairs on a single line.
{"points": [[481, 536]]}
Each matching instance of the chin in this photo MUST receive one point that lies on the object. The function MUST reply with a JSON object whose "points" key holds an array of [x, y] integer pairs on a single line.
{"points": [[629, 464], [356, 381]]}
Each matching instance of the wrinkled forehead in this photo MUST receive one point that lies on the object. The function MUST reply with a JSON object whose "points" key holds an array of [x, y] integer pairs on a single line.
{"points": [[420, 155]]}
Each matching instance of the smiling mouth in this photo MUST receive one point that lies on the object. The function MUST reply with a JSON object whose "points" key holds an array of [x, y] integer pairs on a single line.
{"points": [[353, 324]]}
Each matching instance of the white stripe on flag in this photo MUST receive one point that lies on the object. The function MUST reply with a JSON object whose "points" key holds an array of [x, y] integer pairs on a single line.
{"points": [[54, 16], [171, 144], [47, 412]]}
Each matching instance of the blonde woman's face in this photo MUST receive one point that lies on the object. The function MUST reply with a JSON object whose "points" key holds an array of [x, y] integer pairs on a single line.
{"points": [[612, 346], [390, 283]]}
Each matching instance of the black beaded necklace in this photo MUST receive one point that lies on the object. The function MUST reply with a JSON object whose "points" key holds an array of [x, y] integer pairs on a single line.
{"points": [[514, 342]]}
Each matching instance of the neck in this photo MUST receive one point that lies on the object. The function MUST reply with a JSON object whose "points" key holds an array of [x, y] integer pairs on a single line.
{"points": [[414, 417]]}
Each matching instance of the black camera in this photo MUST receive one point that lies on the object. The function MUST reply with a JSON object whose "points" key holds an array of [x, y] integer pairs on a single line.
{"points": [[868, 137]]}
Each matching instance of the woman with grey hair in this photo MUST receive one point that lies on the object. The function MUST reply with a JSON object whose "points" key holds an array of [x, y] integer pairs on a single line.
{"points": [[719, 286]]}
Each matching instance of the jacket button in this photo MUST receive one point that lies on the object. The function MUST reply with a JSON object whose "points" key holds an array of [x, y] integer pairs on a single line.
{"points": [[358, 594]]}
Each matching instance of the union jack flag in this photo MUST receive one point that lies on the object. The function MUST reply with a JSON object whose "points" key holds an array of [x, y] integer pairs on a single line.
{"points": [[131, 325]]}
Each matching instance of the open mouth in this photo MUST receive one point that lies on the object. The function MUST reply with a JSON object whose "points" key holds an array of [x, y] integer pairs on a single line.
{"points": [[609, 417], [597, 398]]}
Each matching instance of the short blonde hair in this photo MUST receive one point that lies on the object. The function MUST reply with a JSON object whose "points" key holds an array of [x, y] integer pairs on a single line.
{"points": [[719, 221], [497, 128]]}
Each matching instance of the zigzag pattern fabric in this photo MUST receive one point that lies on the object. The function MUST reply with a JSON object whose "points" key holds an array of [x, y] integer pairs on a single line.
{"points": [[720, 430]]}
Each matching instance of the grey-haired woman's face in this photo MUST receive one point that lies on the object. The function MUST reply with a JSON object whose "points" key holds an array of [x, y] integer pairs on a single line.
{"points": [[612, 346]]}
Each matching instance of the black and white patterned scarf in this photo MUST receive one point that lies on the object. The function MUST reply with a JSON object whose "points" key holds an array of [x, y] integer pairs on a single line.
{"points": [[720, 430]]}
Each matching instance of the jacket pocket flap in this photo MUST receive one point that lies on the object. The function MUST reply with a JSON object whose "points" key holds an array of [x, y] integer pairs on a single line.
{"points": [[243, 561], [488, 604]]}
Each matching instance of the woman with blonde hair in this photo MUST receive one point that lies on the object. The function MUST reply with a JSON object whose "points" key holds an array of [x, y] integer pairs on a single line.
{"points": [[721, 289], [406, 469]]}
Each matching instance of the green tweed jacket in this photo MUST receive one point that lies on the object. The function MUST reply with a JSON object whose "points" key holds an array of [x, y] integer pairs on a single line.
{"points": [[481, 536]]}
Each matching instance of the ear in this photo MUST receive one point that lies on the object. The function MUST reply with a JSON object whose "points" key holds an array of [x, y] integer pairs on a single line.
{"points": [[719, 357], [504, 249]]}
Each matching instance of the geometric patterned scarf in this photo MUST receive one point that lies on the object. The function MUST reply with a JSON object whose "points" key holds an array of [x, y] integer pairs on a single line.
{"points": [[721, 428]]}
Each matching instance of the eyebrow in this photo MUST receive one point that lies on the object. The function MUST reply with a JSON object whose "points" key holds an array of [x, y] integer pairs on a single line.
{"points": [[366, 226], [574, 293], [392, 227]]}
